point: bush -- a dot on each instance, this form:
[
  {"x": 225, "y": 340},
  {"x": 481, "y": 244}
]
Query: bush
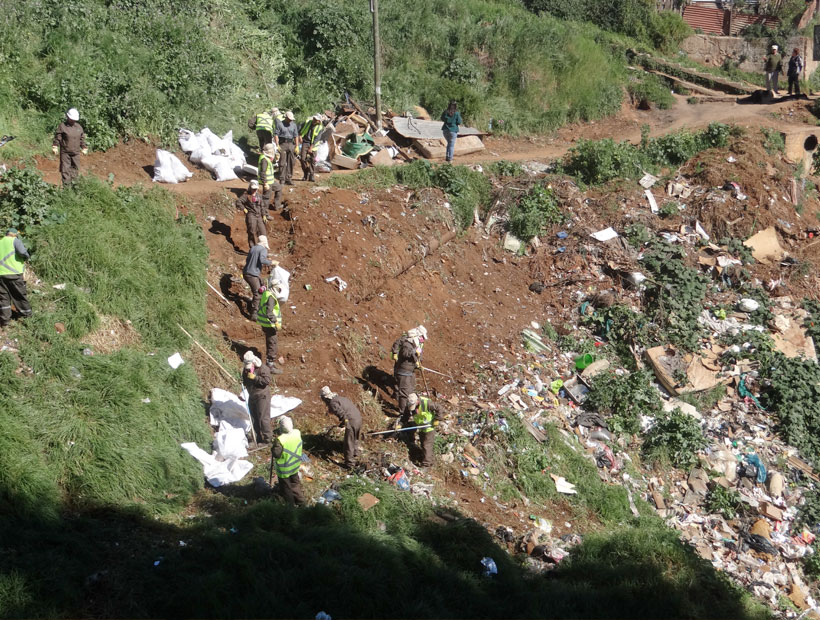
[
  {"x": 25, "y": 199},
  {"x": 653, "y": 89},
  {"x": 534, "y": 210},
  {"x": 467, "y": 189},
  {"x": 675, "y": 439},
  {"x": 624, "y": 399},
  {"x": 597, "y": 161}
]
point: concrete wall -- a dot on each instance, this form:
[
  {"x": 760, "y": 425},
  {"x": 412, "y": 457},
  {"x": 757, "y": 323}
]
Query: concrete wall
[{"x": 713, "y": 50}]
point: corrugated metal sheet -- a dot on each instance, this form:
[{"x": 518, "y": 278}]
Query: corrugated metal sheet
[
  {"x": 740, "y": 21},
  {"x": 707, "y": 19}
]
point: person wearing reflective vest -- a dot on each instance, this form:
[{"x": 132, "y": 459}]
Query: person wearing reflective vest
[
  {"x": 262, "y": 123},
  {"x": 12, "y": 285},
  {"x": 310, "y": 141},
  {"x": 269, "y": 317},
  {"x": 424, "y": 412},
  {"x": 286, "y": 452},
  {"x": 267, "y": 178}
]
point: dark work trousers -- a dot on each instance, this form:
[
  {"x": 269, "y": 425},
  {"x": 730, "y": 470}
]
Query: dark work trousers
[
  {"x": 290, "y": 488},
  {"x": 69, "y": 166},
  {"x": 13, "y": 290},
  {"x": 308, "y": 159},
  {"x": 256, "y": 228},
  {"x": 405, "y": 385},
  {"x": 287, "y": 160},
  {"x": 255, "y": 283},
  {"x": 794, "y": 81},
  {"x": 271, "y": 345},
  {"x": 427, "y": 441},
  {"x": 276, "y": 191},
  {"x": 264, "y": 137},
  {"x": 351, "y": 444},
  {"x": 259, "y": 405}
]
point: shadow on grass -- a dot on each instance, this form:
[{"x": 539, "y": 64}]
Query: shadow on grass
[{"x": 398, "y": 560}]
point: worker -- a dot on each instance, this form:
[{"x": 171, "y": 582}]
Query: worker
[
  {"x": 310, "y": 142},
  {"x": 287, "y": 454},
  {"x": 407, "y": 357},
  {"x": 256, "y": 261},
  {"x": 256, "y": 379},
  {"x": 267, "y": 170},
  {"x": 424, "y": 412},
  {"x": 350, "y": 417},
  {"x": 287, "y": 139},
  {"x": 69, "y": 142},
  {"x": 12, "y": 285},
  {"x": 262, "y": 123},
  {"x": 772, "y": 67},
  {"x": 269, "y": 317},
  {"x": 255, "y": 216}
]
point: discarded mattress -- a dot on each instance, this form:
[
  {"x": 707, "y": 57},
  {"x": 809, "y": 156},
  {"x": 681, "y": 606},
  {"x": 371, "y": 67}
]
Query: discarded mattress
[
  {"x": 427, "y": 130},
  {"x": 168, "y": 168}
]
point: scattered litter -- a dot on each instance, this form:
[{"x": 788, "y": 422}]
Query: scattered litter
[
  {"x": 653, "y": 205},
  {"x": 562, "y": 486},
  {"x": 647, "y": 181},
  {"x": 331, "y": 495},
  {"x": 604, "y": 235},
  {"x": 175, "y": 361},
  {"x": 367, "y": 501},
  {"x": 341, "y": 283},
  {"x": 490, "y": 568},
  {"x": 59, "y": 287}
]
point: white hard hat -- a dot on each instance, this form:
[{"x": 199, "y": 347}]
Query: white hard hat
[
  {"x": 286, "y": 424},
  {"x": 774, "y": 47},
  {"x": 422, "y": 331},
  {"x": 269, "y": 148},
  {"x": 413, "y": 333},
  {"x": 73, "y": 114},
  {"x": 248, "y": 357},
  {"x": 413, "y": 399},
  {"x": 254, "y": 185},
  {"x": 263, "y": 241},
  {"x": 289, "y": 115}
]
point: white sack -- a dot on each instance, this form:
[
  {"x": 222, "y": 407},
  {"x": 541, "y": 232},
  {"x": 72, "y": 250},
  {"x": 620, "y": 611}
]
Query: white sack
[
  {"x": 281, "y": 404},
  {"x": 236, "y": 154},
  {"x": 218, "y": 472},
  {"x": 201, "y": 152},
  {"x": 168, "y": 168},
  {"x": 281, "y": 276},
  {"x": 322, "y": 151},
  {"x": 209, "y": 162},
  {"x": 230, "y": 442},
  {"x": 224, "y": 169},
  {"x": 228, "y": 406},
  {"x": 211, "y": 138},
  {"x": 188, "y": 141}
]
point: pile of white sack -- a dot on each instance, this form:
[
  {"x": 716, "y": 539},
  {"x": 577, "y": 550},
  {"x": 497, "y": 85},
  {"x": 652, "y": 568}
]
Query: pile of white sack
[
  {"x": 219, "y": 156},
  {"x": 168, "y": 168}
]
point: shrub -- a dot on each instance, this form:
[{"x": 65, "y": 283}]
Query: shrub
[
  {"x": 505, "y": 168},
  {"x": 675, "y": 438},
  {"x": 25, "y": 199},
  {"x": 724, "y": 502},
  {"x": 653, "y": 89},
  {"x": 624, "y": 399},
  {"x": 598, "y": 161},
  {"x": 468, "y": 190},
  {"x": 534, "y": 210}
]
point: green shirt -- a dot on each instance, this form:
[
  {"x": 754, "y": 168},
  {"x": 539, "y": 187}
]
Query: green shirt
[
  {"x": 773, "y": 63},
  {"x": 451, "y": 121}
]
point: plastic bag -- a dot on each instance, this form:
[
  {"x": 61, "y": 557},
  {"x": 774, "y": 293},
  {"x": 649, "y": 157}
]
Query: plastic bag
[
  {"x": 168, "y": 168},
  {"x": 400, "y": 480},
  {"x": 224, "y": 169},
  {"x": 188, "y": 141},
  {"x": 490, "y": 568},
  {"x": 322, "y": 152},
  {"x": 236, "y": 154},
  {"x": 201, "y": 152},
  {"x": 280, "y": 277}
]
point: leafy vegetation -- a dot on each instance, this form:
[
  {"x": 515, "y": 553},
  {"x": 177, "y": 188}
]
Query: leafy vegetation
[
  {"x": 25, "y": 199},
  {"x": 652, "y": 89},
  {"x": 724, "y": 502},
  {"x": 675, "y": 439},
  {"x": 624, "y": 398},
  {"x": 597, "y": 161},
  {"x": 533, "y": 211},
  {"x": 773, "y": 141}
]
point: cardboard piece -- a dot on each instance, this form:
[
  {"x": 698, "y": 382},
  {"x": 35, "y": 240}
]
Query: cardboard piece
[
  {"x": 367, "y": 501},
  {"x": 794, "y": 342},
  {"x": 666, "y": 359},
  {"x": 382, "y": 158},
  {"x": 765, "y": 246},
  {"x": 343, "y": 161},
  {"x": 436, "y": 148},
  {"x": 771, "y": 511}
]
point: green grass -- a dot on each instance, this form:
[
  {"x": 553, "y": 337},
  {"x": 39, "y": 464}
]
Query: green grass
[{"x": 77, "y": 431}]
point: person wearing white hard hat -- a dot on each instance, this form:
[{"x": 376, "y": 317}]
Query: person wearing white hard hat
[
  {"x": 255, "y": 263},
  {"x": 287, "y": 139},
  {"x": 286, "y": 451},
  {"x": 269, "y": 317},
  {"x": 256, "y": 379},
  {"x": 255, "y": 215},
  {"x": 407, "y": 357},
  {"x": 350, "y": 418},
  {"x": 69, "y": 142},
  {"x": 773, "y": 66},
  {"x": 310, "y": 142}
]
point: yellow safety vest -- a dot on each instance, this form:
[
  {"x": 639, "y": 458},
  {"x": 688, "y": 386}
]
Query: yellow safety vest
[
  {"x": 310, "y": 131},
  {"x": 263, "y": 318},
  {"x": 10, "y": 265},
  {"x": 423, "y": 415},
  {"x": 288, "y": 464},
  {"x": 269, "y": 178},
  {"x": 264, "y": 122}
]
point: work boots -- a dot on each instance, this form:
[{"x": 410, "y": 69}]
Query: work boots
[{"x": 274, "y": 369}]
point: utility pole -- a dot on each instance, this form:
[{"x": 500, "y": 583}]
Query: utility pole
[{"x": 377, "y": 64}]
